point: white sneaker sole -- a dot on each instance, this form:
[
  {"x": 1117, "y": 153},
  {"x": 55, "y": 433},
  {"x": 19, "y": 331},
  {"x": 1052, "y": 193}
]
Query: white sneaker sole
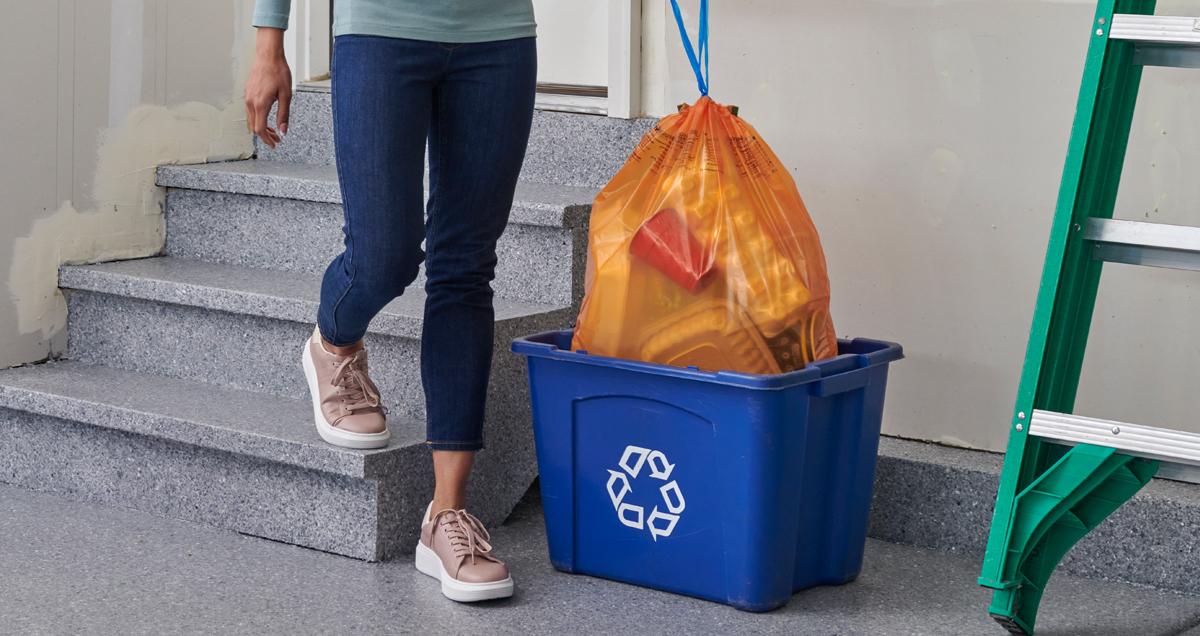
[
  {"x": 332, "y": 434},
  {"x": 455, "y": 590}
]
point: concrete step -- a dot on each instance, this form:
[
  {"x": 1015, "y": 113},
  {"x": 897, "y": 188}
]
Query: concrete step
[
  {"x": 244, "y": 328},
  {"x": 288, "y": 216},
  {"x": 266, "y": 427},
  {"x": 564, "y": 148},
  {"x": 232, "y": 459},
  {"x": 942, "y": 498}
]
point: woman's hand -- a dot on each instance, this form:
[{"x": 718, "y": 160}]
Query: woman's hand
[{"x": 270, "y": 81}]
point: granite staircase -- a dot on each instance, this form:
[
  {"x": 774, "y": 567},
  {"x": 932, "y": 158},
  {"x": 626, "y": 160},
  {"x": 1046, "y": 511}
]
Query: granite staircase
[{"x": 181, "y": 392}]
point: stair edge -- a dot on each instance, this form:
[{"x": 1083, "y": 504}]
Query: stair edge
[
  {"x": 314, "y": 455},
  {"x": 309, "y": 183},
  {"x": 397, "y": 320}
]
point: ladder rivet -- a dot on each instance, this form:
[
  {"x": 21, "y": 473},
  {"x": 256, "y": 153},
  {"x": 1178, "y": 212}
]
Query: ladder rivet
[
  {"x": 1116, "y": 430},
  {"x": 1020, "y": 427},
  {"x": 1099, "y": 31},
  {"x": 1101, "y": 20},
  {"x": 1021, "y": 415},
  {"x": 1078, "y": 227}
]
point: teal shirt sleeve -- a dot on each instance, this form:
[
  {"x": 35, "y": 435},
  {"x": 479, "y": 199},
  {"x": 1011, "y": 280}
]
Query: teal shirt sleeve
[{"x": 271, "y": 13}]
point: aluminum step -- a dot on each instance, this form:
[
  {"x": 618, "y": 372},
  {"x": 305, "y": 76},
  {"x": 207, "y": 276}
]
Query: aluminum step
[
  {"x": 1141, "y": 243},
  {"x": 1132, "y": 439},
  {"x": 1161, "y": 40}
]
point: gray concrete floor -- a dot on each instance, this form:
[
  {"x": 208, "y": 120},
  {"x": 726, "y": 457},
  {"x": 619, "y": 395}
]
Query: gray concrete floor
[{"x": 77, "y": 568}]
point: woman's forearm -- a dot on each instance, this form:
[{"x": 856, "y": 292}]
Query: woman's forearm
[{"x": 269, "y": 43}]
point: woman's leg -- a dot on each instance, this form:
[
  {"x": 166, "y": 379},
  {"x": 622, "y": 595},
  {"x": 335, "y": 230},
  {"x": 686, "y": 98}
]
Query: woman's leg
[
  {"x": 382, "y": 100},
  {"x": 482, "y": 111},
  {"x": 451, "y": 470}
]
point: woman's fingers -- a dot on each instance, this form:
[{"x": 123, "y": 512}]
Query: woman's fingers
[
  {"x": 281, "y": 117},
  {"x": 269, "y": 81},
  {"x": 262, "y": 108}
]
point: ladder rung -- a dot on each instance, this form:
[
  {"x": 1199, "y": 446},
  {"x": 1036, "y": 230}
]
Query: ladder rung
[
  {"x": 1131, "y": 439},
  {"x": 1140, "y": 243},
  {"x": 1168, "y": 30},
  {"x": 1160, "y": 40}
]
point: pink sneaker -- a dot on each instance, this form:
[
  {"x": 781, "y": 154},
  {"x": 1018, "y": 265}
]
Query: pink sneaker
[
  {"x": 345, "y": 401},
  {"x": 454, "y": 549}
]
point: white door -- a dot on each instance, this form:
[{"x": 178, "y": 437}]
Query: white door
[
  {"x": 572, "y": 43},
  {"x": 588, "y": 55},
  {"x": 588, "y": 52}
]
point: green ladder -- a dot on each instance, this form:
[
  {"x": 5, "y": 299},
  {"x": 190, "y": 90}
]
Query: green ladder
[{"x": 1064, "y": 474}]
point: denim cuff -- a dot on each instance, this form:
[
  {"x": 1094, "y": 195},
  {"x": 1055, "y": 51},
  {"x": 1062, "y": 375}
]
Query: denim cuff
[{"x": 454, "y": 446}]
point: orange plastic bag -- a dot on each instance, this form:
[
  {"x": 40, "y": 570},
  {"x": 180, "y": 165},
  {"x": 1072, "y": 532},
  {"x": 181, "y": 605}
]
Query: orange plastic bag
[{"x": 701, "y": 253}]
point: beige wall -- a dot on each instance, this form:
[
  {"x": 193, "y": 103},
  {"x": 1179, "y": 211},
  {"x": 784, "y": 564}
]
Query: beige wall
[
  {"x": 928, "y": 139},
  {"x": 98, "y": 92}
]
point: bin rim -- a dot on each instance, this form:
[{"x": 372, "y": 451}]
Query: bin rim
[{"x": 860, "y": 353}]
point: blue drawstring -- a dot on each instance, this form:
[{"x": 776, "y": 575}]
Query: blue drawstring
[{"x": 699, "y": 63}]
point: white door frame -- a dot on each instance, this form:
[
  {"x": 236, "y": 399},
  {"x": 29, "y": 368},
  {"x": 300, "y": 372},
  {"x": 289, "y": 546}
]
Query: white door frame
[
  {"x": 306, "y": 43},
  {"x": 624, "y": 58}
]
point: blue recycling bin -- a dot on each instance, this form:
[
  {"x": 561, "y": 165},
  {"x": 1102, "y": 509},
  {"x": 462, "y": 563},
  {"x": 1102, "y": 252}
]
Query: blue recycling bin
[{"x": 737, "y": 488}]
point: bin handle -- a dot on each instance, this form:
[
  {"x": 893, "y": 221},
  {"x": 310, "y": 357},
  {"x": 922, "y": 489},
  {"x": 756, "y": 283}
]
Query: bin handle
[{"x": 842, "y": 382}]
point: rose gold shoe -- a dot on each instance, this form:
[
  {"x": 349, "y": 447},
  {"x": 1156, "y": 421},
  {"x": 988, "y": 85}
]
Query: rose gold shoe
[
  {"x": 454, "y": 549},
  {"x": 345, "y": 401}
]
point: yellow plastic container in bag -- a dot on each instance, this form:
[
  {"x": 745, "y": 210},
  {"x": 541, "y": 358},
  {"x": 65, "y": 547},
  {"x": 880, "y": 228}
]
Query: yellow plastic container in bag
[{"x": 701, "y": 253}]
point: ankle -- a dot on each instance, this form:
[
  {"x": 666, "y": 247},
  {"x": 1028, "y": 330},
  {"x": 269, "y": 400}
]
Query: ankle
[
  {"x": 349, "y": 349},
  {"x": 440, "y": 504}
]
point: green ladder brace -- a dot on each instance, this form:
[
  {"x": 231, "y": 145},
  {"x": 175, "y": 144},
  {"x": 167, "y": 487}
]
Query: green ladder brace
[
  {"x": 1061, "y": 506},
  {"x": 1051, "y": 496}
]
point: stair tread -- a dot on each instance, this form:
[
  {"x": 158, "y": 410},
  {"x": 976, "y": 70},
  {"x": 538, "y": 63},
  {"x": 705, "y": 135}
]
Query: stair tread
[
  {"x": 533, "y": 204},
  {"x": 278, "y": 294},
  {"x": 270, "y": 427}
]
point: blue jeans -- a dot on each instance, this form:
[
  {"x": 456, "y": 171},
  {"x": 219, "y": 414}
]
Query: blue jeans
[{"x": 472, "y": 105}]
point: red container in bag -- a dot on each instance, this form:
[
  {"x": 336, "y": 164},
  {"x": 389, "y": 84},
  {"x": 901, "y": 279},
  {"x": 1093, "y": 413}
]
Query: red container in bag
[{"x": 665, "y": 242}]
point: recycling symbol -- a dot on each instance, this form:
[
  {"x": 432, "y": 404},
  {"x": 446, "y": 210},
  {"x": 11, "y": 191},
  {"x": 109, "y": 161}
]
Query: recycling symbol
[{"x": 660, "y": 522}]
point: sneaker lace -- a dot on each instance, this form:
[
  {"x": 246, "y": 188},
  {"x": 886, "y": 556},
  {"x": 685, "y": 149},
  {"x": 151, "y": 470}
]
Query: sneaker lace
[
  {"x": 354, "y": 386},
  {"x": 466, "y": 534}
]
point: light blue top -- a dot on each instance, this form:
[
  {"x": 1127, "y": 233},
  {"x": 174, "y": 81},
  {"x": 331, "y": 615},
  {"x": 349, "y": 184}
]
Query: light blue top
[{"x": 431, "y": 20}]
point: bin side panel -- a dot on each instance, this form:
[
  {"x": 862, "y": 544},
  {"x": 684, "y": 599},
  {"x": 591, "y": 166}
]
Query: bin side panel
[
  {"x": 552, "y": 390},
  {"x": 647, "y": 500},
  {"x": 761, "y": 444},
  {"x": 843, "y": 444}
]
